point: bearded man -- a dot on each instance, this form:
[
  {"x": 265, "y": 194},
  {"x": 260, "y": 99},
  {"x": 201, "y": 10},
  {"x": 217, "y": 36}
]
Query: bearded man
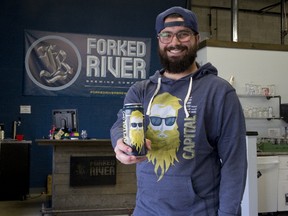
[{"x": 196, "y": 136}]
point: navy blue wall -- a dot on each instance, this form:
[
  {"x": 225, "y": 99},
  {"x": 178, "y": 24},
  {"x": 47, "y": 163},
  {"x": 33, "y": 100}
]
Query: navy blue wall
[{"x": 133, "y": 18}]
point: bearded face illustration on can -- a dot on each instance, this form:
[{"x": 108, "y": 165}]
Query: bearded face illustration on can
[{"x": 133, "y": 128}]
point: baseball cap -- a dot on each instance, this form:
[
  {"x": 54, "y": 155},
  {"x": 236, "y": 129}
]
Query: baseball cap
[{"x": 190, "y": 19}]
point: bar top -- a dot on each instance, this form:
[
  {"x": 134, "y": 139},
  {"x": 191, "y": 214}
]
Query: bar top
[
  {"x": 69, "y": 142},
  {"x": 14, "y": 141}
]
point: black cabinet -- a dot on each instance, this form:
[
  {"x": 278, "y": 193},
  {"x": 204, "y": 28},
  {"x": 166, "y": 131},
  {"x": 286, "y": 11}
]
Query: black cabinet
[{"x": 14, "y": 169}]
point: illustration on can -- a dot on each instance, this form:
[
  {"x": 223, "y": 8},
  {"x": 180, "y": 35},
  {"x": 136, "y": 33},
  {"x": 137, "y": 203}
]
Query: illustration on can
[{"x": 133, "y": 128}]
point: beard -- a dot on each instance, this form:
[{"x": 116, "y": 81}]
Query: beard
[
  {"x": 178, "y": 65},
  {"x": 163, "y": 153},
  {"x": 137, "y": 139}
]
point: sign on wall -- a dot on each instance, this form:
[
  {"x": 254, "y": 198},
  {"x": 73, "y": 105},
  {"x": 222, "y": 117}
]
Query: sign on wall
[
  {"x": 83, "y": 64},
  {"x": 92, "y": 170}
]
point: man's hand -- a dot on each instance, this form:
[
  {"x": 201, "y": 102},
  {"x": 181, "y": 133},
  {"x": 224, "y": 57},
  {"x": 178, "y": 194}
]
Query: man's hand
[{"x": 122, "y": 152}]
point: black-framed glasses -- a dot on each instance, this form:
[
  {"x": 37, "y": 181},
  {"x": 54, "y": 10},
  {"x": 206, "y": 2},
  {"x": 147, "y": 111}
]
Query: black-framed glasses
[
  {"x": 134, "y": 125},
  {"x": 157, "y": 121},
  {"x": 182, "y": 36}
]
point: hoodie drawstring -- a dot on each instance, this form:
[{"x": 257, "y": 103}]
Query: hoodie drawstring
[
  {"x": 151, "y": 100},
  {"x": 187, "y": 97},
  {"x": 185, "y": 100}
]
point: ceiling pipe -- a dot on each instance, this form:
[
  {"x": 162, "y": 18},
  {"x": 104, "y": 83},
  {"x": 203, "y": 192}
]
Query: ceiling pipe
[
  {"x": 283, "y": 21},
  {"x": 234, "y": 15},
  {"x": 188, "y": 4}
]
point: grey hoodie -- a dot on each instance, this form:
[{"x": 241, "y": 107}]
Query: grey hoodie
[{"x": 197, "y": 165}]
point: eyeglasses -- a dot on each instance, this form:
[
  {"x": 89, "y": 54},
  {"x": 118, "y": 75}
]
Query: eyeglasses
[
  {"x": 182, "y": 36},
  {"x": 157, "y": 121},
  {"x": 134, "y": 125}
]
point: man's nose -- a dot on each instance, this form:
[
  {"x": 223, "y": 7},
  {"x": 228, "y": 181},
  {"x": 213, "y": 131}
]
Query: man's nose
[{"x": 175, "y": 40}]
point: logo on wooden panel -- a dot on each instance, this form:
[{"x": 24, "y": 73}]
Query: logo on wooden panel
[{"x": 92, "y": 170}]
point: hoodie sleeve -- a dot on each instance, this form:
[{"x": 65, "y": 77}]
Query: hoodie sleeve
[
  {"x": 232, "y": 151},
  {"x": 116, "y": 130}
]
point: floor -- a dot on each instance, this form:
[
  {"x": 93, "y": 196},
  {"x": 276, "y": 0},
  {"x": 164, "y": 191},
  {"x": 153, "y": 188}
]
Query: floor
[
  {"x": 33, "y": 205},
  {"x": 29, "y": 207}
]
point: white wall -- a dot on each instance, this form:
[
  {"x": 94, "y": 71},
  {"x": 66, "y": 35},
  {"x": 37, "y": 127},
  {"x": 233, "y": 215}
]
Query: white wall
[{"x": 263, "y": 67}]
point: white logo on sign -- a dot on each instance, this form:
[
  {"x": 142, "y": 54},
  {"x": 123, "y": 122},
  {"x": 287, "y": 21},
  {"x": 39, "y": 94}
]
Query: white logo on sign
[{"x": 51, "y": 64}]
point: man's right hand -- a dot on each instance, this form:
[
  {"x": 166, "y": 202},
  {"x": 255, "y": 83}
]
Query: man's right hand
[{"x": 122, "y": 152}]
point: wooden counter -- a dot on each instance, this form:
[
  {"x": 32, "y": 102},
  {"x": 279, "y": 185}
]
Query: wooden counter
[
  {"x": 92, "y": 142},
  {"x": 120, "y": 195}
]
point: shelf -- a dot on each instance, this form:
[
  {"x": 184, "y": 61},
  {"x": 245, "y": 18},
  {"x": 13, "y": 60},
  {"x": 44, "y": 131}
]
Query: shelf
[
  {"x": 249, "y": 114},
  {"x": 259, "y": 96}
]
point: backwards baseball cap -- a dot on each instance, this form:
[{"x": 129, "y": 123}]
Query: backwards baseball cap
[{"x": 190, "y": 19}]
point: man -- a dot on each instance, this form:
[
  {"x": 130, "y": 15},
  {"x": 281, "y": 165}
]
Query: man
[{"x": 196, "y": 163}]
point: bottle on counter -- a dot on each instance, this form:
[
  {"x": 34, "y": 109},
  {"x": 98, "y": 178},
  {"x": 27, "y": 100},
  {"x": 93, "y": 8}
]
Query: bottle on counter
[
  {"x": 270, "y": 112},
  {"x": 2, "y": 133}
]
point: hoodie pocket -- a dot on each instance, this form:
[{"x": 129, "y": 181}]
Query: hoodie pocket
[{"x": 172, "y": 195}]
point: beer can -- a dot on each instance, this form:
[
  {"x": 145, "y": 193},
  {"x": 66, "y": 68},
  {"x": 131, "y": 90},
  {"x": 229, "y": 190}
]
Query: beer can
[{"x": 133, "y": 128}]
